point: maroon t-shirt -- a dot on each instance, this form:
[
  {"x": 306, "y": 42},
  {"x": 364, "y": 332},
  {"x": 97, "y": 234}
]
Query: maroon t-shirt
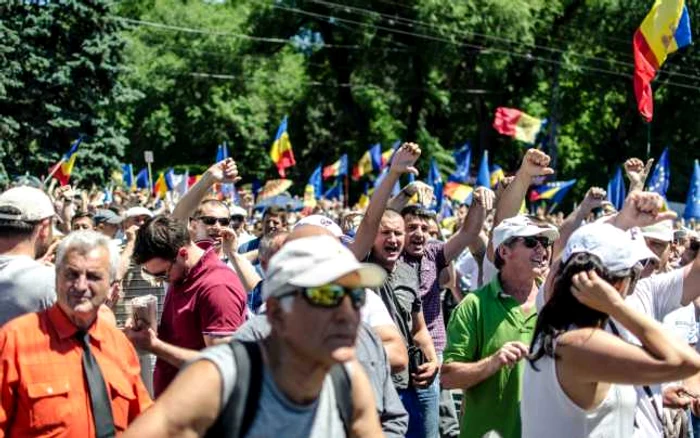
[{"x": 209, "y": 301}]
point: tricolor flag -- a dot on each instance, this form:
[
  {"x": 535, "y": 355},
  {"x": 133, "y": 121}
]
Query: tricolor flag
[
  {"x": 665, "y": 29},
  {"x": 515, "y": 123},
  {"x": 363, "y": 202},
  {"x": 314, "y": 188},
  {"x": 128, "y": 176},
  {"x": 552, "y": 191},
  {"x": 387, "y": 154},
  {"x": 281, "y": 152},
  {"x": 163, "y": 184},
  {"x": 369, "y": 162},
  {"x": 496, "y": 175},
  {"x": 458, "y": 192},
  {"x": 339, "y": 168},
  {"x": 692, "y": 203},
  {"x": 661, "y": 176},
  {"x": 63, "y": 169}
]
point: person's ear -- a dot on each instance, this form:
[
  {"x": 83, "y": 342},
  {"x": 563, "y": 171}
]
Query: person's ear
[
  {"x": 275, "y": 312},
  {"x": 182, "y": 253}
]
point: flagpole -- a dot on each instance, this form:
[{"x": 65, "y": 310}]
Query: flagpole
[
  {"x": 150, "y": 178},
  {"x": 54, "y": 170},
  {"x": 347, "y": 184},
  {"x": 648, "y": 140}
]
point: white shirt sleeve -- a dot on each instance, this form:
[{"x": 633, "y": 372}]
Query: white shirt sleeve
[
  {"x": 374, "y": 313},
  {"x": 490, "y": 271},
  {"x": 658, "y": 295}
]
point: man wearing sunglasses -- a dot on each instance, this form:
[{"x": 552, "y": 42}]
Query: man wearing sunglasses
[
  {"x": 314, "y": 290},
  {"x": 204, "y": 305},
  {"x": 489, "y": 332}
]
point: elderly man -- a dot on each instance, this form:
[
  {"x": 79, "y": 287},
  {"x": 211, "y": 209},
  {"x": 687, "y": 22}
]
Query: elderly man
[
  {"x": 66, "y": 371},
  {"x": 204, "y": 305},
  {"x": 489, "y": 332},
  {"x": 26, "y": 216},
  {"x": 314, "y": 290}
]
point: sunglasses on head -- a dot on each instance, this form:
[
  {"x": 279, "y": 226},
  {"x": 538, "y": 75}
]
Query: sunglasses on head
[
  {"x": 211, "y": 220},
  {"x": 330, "y": 296},
  {"x": 532, "y": 241}
]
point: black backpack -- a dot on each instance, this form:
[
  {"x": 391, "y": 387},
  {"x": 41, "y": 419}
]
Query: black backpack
[{"x": 236, "y": 417}]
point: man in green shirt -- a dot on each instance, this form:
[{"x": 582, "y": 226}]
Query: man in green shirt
[{"x": 489, "y": 332}]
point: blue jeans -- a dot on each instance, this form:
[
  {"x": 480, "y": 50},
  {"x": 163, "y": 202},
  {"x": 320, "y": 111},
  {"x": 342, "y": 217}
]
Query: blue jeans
[
  {"x": 409, "y": 398},
  {"x": 429, "y": 399}
]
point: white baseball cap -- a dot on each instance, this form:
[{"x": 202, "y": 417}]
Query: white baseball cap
[
  {"x": 235, "y": 210},
  {"x": 321, "y": 221},
  {"x": 662, "y": 231},
  {"x": 138, "y": 211},
  {"x": 30, "y": 204},
  {"x": 315, "y": 261},
  {"x": 521, "y": 226},
  {"x": 616, "y": 249}
]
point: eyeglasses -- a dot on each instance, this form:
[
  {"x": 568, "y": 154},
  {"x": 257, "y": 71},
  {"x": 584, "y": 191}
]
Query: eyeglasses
[
  {"x": 331, "y": 296},
  {"x": 211, "y": 220},
  {"x": 532, "y": 241},
  {"x": 158, "y": 277}
]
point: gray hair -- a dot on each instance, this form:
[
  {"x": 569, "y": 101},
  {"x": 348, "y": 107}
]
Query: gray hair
[{"x": 85, "y": 241}]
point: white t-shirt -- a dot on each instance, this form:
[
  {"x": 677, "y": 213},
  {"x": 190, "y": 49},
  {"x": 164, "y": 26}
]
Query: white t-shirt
[
  {"x": 489, "y": 271},
  {"x": 656, "y": 296},
  {"x": 374, "y": 313},
  {"x": 468, "y": 269},
  {"x": 682, "y": 323}
]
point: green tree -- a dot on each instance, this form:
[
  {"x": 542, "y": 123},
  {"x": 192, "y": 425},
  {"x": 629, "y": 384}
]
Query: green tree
[{"x": 61, "y": 63}]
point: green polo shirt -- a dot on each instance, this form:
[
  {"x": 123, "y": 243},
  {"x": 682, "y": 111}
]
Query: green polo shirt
[{"x": 484, "y": 321}]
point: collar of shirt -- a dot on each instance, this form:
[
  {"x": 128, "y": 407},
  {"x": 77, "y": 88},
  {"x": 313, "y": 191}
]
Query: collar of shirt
[{"x": 66, "y": 329}]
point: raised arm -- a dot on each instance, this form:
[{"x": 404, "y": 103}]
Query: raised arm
[
  {"x": 535, "y": 163},
  {"x": 424, "y": 191},
  {"x": 468, "y": 233},
  {"x": 593, "y": 199},
  {"x": 597, "y": 356},
  {"x": 637, "y": 172},
  {"x": 244, "y": 268},
  {"x": 402, "y": 162},
  {"x": 223, "y": 171}
]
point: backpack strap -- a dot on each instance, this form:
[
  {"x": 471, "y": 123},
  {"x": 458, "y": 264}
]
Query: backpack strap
[
  {"x": 238, "y": 413},
  {"x": 342, "y": 386}
]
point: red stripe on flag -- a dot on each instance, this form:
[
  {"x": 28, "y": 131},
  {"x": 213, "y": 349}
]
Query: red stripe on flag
[
  {"x": 506, "y": 120},
  {"x": 645, "y": 67}
]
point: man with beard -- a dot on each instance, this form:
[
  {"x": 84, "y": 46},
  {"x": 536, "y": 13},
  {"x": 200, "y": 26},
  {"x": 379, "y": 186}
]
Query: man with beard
[
  {"x": 489, "y": 332},
  {"x": 204, "y": 305},
  {"x": 26, "y": 221},
  {"x": 429, "y": 257}
]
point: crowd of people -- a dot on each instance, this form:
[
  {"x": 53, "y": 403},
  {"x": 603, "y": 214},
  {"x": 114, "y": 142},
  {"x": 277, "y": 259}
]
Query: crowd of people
[{"x": 192, "y": 316}]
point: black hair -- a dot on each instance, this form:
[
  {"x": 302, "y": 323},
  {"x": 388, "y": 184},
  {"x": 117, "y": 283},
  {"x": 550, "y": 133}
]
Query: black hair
[
  {"x": 82, "y": 214},
  {"x": 276, "y": 211},
  {"x": 160, "y": 236},
  {"x": 10, "y": 228},
  {"x": 563, "y": 310},
  {"x": 418, "y": 211}
]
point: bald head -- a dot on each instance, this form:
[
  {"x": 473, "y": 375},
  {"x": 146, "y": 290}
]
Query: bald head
[{"x": 302, "y": 231}]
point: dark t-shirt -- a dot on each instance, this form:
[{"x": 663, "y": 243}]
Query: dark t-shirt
[
  {"x": 400, "y": 293},
  {"x": 209, "y": 301}
]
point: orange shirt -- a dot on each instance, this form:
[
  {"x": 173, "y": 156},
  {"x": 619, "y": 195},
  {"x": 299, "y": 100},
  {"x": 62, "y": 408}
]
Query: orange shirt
[{"x": 44, "y": 392}]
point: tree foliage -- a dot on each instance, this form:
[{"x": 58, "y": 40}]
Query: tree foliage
[
  {"x": 348, "y": 74},
  {"x": 61, "y": 63}
]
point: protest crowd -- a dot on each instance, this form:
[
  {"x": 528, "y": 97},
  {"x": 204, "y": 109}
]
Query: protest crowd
[
  {"x": 492, "y": 306},
  {"x": 217, "y": 311}
]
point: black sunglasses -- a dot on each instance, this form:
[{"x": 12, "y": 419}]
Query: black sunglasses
[
  {"x": 330, "y": 296},
  {"x": 211, "y": 220},
  {"x": 532, "y": 241}
]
